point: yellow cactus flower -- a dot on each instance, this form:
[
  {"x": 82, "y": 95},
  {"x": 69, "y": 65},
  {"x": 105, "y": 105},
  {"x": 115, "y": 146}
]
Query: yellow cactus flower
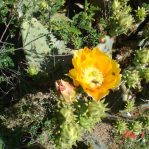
[{"x": 95, "y": 72}]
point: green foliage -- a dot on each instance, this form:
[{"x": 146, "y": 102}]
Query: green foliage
[
  {"x": 84, "y": 20},
  {"x": 145, "y": 33},
  {"x": 42, "y": 9},
  {"x": 55, "y": 5},
  {"x": 36, "y": 46},
  {"x": 69, "y": 130},
  {"x": 5, "y": 10},
  {"x": 79, "y": 31},
  {"x": 146, "y": 122},
  {"x": 38, "y": 43},
  {"x": 133, "y": 133},
  {"x": 133, "y": 130},
  {"x": 6, "y": 61},
  {"x": 121, "y": 17},
  {"x": 57, "y": 46},
  {"x": 25, "y": 7},
  {"x": 47, "y": 32},
  {"x": 68, "y": 33}
]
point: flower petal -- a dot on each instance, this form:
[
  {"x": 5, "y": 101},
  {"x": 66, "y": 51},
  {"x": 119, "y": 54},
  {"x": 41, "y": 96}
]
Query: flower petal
[{"x": 95, "y": 72}]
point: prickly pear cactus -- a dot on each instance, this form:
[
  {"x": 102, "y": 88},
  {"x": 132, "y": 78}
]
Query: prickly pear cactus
[
  {"x": 69, "y": 131},
  {"x": 35, "y": 45},
  {"x": 58, "y": 46},
  {"x": 75, "y": 118},
  {"x": 95, "y": 111}
]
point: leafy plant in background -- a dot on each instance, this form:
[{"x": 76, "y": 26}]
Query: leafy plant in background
[
  {"x": 67, "y": 33},
  {"x": 6, "y": 62},
  {"x": 63, "y": 30},
  {"x": 8, "y": 37},
  {"x": 55, "y": 5},
  {"x": 79, "y": 31},
  {"x": 7, "y": 18},
  {"x": 78, "y": 121},
  {"x": 8, "y": 72},
  {"x": 84, "y": 21}
]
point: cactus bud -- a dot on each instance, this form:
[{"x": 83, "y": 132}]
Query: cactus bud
[
  {"x": 137, "y": 127},
  {"x": 116, "y": 5},
  {"x": 70, "y": 133},
  {"x": 121, "y": 126},
  {"x": 32, "y": 70},
  {"x": 126, "y": 21},
  {"x": 141, "y": 13},
  {"x": 66, "y": 91},
  {"x": 43, "y": 5},
  {"x": 129, "y": 105},
  {"x": 97, "y": 109},
  {"x": 67, "y": 113},
  {"x": 142, "y": 57},
  {"x": 132, "y": 78},
  {"x": 144, "y": 73}
]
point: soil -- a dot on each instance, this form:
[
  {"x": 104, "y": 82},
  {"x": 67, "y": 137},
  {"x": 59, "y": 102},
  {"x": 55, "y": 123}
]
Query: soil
[{"x": 103, "y": 132}]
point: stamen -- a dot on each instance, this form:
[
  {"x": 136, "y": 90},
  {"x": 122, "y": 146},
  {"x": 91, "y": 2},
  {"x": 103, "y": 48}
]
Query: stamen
[{"x": 93, "y": 77}]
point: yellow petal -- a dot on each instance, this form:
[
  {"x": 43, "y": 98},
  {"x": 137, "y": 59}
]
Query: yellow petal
[
  {"x": 98, "y": 93},
  {"x": 95, "y": 72}
]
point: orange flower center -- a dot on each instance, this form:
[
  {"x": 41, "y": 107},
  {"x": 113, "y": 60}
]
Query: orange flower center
[{"x": 93, "y": 77}]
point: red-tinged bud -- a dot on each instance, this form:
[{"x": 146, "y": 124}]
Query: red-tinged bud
[{"x": 66, "y": 91}]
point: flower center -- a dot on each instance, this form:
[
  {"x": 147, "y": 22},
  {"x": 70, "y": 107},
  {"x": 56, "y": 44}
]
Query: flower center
[{"x": 93, "y": 77}]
